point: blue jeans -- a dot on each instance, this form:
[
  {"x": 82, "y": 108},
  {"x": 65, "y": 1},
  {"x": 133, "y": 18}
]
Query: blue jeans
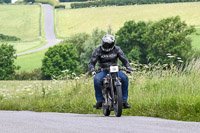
[{"x": 98, "y": 79}]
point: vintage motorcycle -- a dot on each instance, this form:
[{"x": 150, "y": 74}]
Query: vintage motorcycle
[{"x": 112, "y": 91}]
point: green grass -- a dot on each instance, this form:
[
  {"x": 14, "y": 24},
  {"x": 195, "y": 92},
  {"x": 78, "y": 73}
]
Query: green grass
[
  {"x": 22, "y": 21},
  {"x": 171, "y": 94},
  {"x": 196, "y": 40},
  {"x": 26, "y": 46},
  {"x": 30, "y": 61},
  {"x": 86, "y": 19}
]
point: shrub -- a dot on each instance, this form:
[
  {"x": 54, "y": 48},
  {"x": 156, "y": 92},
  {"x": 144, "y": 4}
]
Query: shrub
[
  {"x": 7, "y": 66},
  {"x": 36, "y": 74},
  {"x": 60, "y": 6},
  {"x": 8, "y": 38},
  {"x": 89, "y": 46},
  {"x": 60, "y": 58}
]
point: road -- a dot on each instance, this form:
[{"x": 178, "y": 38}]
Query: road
[
  {"x": 48, "y": 28},
  {"x": 35, "y": 122}
]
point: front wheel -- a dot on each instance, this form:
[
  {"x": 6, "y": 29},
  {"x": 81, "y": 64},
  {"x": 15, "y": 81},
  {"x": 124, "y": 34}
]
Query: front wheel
[
  {"x": 106, "y": 111},
  {"x": 118, "y": 101}
]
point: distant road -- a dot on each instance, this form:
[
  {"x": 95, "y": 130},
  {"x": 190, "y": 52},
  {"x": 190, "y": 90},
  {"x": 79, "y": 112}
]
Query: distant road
[
  {"x": 49, "y": 30},
  {"x": 35, "y": 122}
]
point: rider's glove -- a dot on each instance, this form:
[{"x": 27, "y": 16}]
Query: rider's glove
[{"x": 93, "y": 73}]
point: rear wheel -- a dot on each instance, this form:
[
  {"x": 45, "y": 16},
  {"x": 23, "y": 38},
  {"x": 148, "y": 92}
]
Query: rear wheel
[{"x": 118, "y": 102}]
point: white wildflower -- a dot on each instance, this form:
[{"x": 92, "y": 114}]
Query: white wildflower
[
  {"x": 168, "y": 54},
  {"x": 65, "y": 71},
  {"x": 180, "y": 61},
  {"x": 171, "y": 56},
  {"x": 77, "y": 78},
  {"x": 74, "y": 74},
  {"x": 178, "y": 58}
]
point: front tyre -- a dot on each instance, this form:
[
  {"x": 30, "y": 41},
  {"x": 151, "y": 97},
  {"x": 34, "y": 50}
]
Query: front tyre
[
  {"x": 118, "y": 101},
  {"x": 106, "y": 111}
]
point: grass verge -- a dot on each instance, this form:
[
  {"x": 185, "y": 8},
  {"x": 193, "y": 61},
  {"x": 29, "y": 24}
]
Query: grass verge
[{"x": 169, "y": 94}]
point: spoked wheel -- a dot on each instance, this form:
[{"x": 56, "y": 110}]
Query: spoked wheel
[
  {"x": 118, "y": 102},
  {"x": 106, "y": 111}
]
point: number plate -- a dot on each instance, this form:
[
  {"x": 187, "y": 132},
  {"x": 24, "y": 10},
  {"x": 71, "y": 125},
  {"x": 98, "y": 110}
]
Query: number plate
[{"x": 114, "y": 69}]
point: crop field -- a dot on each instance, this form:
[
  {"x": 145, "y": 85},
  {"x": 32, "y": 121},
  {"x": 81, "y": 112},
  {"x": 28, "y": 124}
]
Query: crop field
[
  {"x": 71, "y": 21},
  {"x": 22, "y": 21},
  {"x": 170, "y": 94}
]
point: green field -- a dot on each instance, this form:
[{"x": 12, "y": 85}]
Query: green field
[
  {"x": 30, "y": 61},
  {"x": 22, "y": 21},
  {"x": 73, "y": 21}
]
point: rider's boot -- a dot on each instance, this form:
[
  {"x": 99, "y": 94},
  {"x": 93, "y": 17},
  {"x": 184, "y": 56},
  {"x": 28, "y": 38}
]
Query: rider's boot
[
  {"x": 98, "y": 105},
  {"x": 126, "y": 105}
]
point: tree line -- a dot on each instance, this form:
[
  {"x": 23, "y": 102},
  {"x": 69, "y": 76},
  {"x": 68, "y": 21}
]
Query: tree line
[
  {"x": 5, "y": 1},
  {"x": 123, "y": 2},
  {"x": 161, "y": 42}
]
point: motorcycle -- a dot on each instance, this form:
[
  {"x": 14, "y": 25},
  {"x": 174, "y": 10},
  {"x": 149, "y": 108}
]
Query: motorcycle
[{"x": 112, "y": 91}]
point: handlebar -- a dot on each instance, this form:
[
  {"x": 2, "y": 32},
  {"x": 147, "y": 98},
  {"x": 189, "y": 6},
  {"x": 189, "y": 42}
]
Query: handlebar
[{"x": 108, "y": 69}]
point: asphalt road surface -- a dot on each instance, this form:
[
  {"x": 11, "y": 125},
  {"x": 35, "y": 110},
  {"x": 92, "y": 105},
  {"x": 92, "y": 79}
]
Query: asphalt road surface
[
  {"x": 49, "y": 30},
  {"x": 35, "y": 122}
]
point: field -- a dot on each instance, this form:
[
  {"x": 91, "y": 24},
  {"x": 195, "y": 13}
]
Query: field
[
  {"x": 71, "y": 21},
  {"x": 30, "y": 61},
  {"x": 22, "y": 21},
  {"x": 169, "y": 94}
]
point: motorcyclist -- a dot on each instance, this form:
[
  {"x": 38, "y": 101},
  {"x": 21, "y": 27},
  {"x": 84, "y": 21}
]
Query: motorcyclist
[{"x": 106, "y": 55}]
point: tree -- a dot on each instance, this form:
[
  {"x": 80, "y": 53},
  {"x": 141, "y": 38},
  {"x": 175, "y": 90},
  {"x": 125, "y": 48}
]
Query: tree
[
  {"x": 78, "y": 40},
  {"x": 130, "y": 39},
  {"x": 168, "y": 35},
  {"x": 7, "y": 58},
  {"x": 59, "y": 58},
  {"x": 89, "y": 46},
  {"x": 154, "y": 40}
]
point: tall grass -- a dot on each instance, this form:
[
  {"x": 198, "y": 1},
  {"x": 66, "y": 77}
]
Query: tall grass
[{"x": 172, "y": 94}]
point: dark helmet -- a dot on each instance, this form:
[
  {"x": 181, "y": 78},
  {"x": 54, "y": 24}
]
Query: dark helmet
[{"x": 107, "y": 43}]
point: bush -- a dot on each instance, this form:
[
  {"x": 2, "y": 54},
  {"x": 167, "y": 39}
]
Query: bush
[
  {"x": 123, "y": 2},
  {"x": 32, "y": 1},
  {"x": 61, "y": 59},
  {"x": 78, "y": 40},
  {"x": 8, "y": 38},
  {"x": 51, "y": 2},
  {"x": 89, "y": 46},
  {"x": 36, "y": 74},
  {"x": 7, "y": 58},
  {"x": 160, "y": 41},
  {"x": 60, "y": 6}
]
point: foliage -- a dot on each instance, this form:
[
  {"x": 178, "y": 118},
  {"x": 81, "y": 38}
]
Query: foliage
[
  {"x": 29, "y": 1},
  {"x": 59, "y": 58},
  {"x": 5, "y": 1},
  {"x": 78, "y": 40},
  {"x": 51, "y": 2},
  {"x": 8, "y": 38},
  {"x": 143, "y": 41},
  {"x": 72, "y": 0},
  {"x": 36, "y": 74},
  {"x": 7, "y": 66},
  {"x": 60, "y": 6},
  {"x": 123, "y": 2},
  {"x": 89, "y": 46}
]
